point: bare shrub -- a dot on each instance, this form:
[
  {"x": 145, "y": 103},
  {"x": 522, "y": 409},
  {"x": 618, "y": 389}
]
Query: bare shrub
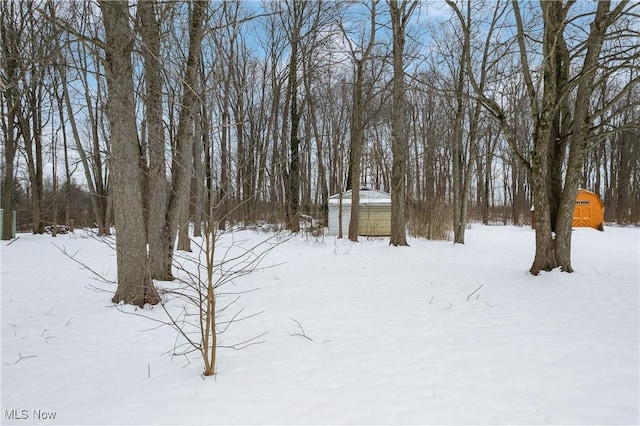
[
  {"x": 429, "y": 220},
  {"x": 191, "y": 301},
  {"x": 192, "y": 306}
]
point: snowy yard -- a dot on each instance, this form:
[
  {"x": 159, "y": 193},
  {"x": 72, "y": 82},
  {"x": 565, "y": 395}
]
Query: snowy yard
[{"x": 393, "y": 336}]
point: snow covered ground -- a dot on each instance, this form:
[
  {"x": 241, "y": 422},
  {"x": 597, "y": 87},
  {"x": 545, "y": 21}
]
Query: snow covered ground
[{"x": 393, "y": 336}]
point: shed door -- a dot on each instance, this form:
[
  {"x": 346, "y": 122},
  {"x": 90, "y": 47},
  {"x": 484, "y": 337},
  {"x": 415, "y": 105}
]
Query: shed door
[{"x": 582, "y": 216}]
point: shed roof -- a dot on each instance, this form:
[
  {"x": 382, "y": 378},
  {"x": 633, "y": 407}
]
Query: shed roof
[
  {"x": 592, "y": 194},
  {"x": 368, "y": 196},
  {"x": 581, "y": 191}
]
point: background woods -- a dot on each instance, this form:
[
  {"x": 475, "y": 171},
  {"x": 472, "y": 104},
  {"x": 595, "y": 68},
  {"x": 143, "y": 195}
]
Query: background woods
[{"x": 247, "y": 112}]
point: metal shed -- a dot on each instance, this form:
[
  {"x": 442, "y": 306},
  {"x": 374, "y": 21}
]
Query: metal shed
[{"x": 374, "y": 217}]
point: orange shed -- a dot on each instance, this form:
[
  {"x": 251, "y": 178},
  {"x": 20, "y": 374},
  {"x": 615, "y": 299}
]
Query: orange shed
[{"x": 589, "y": 211}]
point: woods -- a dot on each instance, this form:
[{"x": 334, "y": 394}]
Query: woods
[{"x": 154, "y": 116}]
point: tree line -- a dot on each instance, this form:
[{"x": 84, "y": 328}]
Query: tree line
[{"x": 176, "y": 113}]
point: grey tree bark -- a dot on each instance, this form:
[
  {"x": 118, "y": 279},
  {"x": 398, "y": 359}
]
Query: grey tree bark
[
  {"x": 292, "y": 177},
  {"x": 8, "y": 108},
  {"x": 359, "y": 56},
  {"x": 181, "y": 167},
  {"x": 400, "y": 14},
  {"x": 134, "y": 280},
  {"x": 157, "y": 171},
  {"x": 198, "y": 169}
]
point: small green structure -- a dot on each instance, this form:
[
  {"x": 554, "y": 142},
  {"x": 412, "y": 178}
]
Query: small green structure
[
  {"x": 13, "y": 224},
  {"x": 374, "y": 216}
]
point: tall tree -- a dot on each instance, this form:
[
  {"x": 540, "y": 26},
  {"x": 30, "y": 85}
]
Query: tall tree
[
  {"x": 83, "y": 64},
  {"x": 181, "y": 162},
  {"x": 360, "y": 54},
  {"x": 134, "y": 280},
  {"x": 29, "y": 42},
  {"x": 561, "y": 107},
  {"x": 400, "y": 14},
  {"x": 296, "y": 16},
  {"x": 466, "y": 126},
  {"x": 9, "y": 67},
  {"x": 156, "y": 176}
]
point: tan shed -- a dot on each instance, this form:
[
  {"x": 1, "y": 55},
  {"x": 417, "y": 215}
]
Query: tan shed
[{"x": 374, "y": 215}]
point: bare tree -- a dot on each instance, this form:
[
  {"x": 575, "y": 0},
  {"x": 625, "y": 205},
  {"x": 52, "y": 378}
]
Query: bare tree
[
  {"x": 302, "y": 22},
  {"x": 9, "y": 66},
  {"x": 156, "y": 177},
  {"x": 134, "y": 279},
  {"x": 92, "y": 155},
  {"x": 81, "y": 94},
  {"x": 400, "y": 14},
  {"x": 560, "y": 107},
  {"x": 296, "y": 14},
  {"x": 28, "y": 44},
  {"x": 181, "y": 167},
  {"x": 360, "y": 54},
  {"x": 468, "y": 116}
]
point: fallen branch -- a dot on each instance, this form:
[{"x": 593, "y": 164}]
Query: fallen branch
[
  {"x": 474, "y": 292},
  {"x": 20, "y": 359},
  {"x": 303, "y": 334},
  {"x": 13, "y": 241},
  {"x": 243, "y": 345}
]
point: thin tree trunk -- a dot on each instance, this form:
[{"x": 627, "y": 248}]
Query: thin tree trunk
[
  {"x": 96, "y": 204},
  {"x": 355, "y": 153},
  {"x": 198, "y": 179},
  {"x": 292, "y": 178},
  {"x": 184, "y": 243},
  {"x": 31, "y": 130},
  {"x": 357, "y": 126},
  {"x": 182, "y": 162},
  {"x": 157, "y": 171},
  {"x": 400, "y": 14},
  {"x": 8, "y": 109}
]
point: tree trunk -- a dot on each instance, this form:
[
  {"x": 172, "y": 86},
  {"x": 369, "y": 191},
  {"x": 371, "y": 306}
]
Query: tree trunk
[
  {"x": 9, "y": 158},
  {"x": 8, "y": 107},
  {"x": 157, "y": 170},
  {"x": 182, "y": 163},
  {"x": 198, "y": 170},
  {"x": 357, "y": 124},
  {"x": 400, "y": 14},
  {"x": 184, "y": 243},
  {"x": 292, "y": 177},
  {"x": 578, "y": 133},
  {"x": 320, "y": 156},
  {"x": 31, "y": 129},
  {"x": 355, "y": 156},
  {"x": 545, "y": 258},
  {"x": 134, "y": 281},
  {"x": 554, "y": 177},
  {"x": 458, "y": 161},
  {"x": 222, "y": 210},
  {"x": 92, "y": 183}
]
